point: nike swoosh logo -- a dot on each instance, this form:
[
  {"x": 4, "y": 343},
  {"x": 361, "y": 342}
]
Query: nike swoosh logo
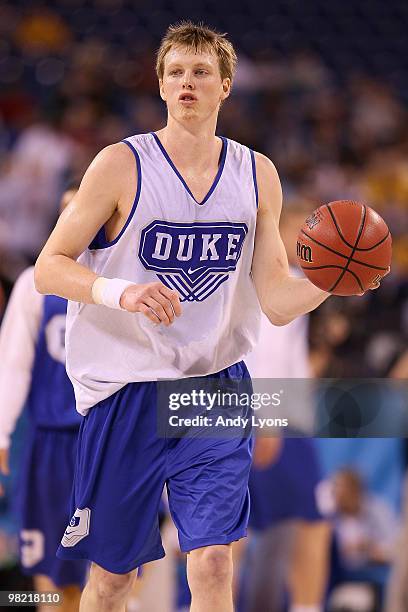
[
  {"x": 69, "y": 532},
  {"x": 191, "y": 271}
]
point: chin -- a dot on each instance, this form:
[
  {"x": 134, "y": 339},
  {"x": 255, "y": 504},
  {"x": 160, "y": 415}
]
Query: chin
[{"x": 189, "y": 113}]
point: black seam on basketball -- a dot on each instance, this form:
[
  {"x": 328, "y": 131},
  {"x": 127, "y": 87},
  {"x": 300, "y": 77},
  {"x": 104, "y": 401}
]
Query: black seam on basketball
[
  {"x": 339, "y": 268},
  {"x": 362, "y": 263},
  {"x": 324, "y": 245},
  {"x": 347, "y": 243},
  {"x": 345, "y": 269},
  {"x": 374, "y": 245},
  {"x": 337, "y": 227},
  {"x": 357, "y": 261},
  {"x": 321, "y": 267},
  {"x": 356, "y": 277}
]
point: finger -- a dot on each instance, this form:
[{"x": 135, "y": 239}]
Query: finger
[
  {"x": 158, "y": 309},
  {"x": 149, "y": 313},
  {"x": 174, "y": 298},
  {"x": 167, "y": 305}
]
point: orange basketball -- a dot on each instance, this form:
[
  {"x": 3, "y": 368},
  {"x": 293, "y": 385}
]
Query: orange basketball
[{"x": 343, "y": 247}]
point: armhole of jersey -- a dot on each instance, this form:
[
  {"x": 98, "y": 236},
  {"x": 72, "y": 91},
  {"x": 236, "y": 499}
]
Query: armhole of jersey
[
  {"x": 254, "y": 175},
  {"x": 100, "y": 242}
]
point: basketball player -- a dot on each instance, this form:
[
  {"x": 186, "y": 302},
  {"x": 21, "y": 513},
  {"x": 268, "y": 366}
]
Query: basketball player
[
  {"x": 166, "y": 278},
  {"x": 33, "y": 372}
]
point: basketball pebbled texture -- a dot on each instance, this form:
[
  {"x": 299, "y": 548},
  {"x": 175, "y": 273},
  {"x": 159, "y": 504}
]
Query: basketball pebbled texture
[{"x": 344, "y": 247}]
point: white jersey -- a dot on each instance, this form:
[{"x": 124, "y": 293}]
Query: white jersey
[
  {"x": 282, "y": 352},
  {"x": 202, "y": 250}
]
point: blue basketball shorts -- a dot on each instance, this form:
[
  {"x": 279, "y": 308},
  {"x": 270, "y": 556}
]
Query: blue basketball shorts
[
  {"x": 42, "y": 502},
  {"x": 286, "y": 489},
  {"x": 122, "y": 467}
]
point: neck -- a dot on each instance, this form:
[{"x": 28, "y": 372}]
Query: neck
[{"x": 189, "y": 143}]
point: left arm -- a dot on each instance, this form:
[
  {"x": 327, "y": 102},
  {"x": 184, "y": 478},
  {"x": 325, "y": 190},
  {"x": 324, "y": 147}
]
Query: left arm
[{"x": 282, "y": 296}]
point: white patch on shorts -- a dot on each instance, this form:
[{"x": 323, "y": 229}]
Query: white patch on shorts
[{"x": 78, "y": 527}]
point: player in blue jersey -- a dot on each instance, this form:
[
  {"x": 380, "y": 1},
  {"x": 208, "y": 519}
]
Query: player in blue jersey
[
  {"x": 166, "y": 279},
  {"x": 32, "y": 352}
]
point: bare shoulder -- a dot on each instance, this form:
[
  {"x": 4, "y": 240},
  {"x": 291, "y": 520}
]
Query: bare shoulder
[
  {"x": 107, "y": 177},
  {"x": 119, "y": 151},
  {"x": 104, "y": 185},
  {"x": 269, "y": 186},
  {"x": 114, "y": 159}
]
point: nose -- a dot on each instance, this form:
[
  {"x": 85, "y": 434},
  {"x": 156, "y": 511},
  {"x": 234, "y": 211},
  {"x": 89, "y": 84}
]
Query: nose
[{"x": 187, "y": 83}]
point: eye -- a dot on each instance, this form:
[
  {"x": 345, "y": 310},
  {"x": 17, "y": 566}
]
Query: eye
[
  {"x": 175, "y": 72},
  {"x": 201, "y": 71}
]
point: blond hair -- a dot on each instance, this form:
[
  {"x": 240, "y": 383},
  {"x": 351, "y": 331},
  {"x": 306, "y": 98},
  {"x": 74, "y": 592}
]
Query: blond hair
[{"x": 198, "y": 38}]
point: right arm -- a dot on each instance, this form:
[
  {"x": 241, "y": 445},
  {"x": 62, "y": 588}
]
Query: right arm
[
  {"x": 57, "y": 271},
  {"x": 104, "y": 191}
]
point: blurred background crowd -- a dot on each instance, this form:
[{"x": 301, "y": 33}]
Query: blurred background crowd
[{"x": 321, "y": 88}]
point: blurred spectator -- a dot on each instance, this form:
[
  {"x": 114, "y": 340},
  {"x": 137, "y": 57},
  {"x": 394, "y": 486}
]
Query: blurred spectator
[
  {"x": 365, "y": 526},
  {"x": 365, "y": 530},
  {"x": 42, "y": 31},
  {"x": 30, "y": 187}
]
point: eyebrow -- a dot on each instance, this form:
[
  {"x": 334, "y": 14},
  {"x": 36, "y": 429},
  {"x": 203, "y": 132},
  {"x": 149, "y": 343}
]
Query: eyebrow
[{"x": 198, "y": 65}]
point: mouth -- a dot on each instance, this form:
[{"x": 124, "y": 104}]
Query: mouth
[{"x": 187, "y": 98}]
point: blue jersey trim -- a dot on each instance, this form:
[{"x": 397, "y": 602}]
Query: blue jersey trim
[
  {"x": 217, "y": 178},
  {"x": 254, "y": 176},
  {"x": 100, "y": 241}
]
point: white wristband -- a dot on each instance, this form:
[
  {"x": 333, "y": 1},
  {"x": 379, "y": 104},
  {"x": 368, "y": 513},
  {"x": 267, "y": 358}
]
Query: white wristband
[{"x": 108, "y": 291}]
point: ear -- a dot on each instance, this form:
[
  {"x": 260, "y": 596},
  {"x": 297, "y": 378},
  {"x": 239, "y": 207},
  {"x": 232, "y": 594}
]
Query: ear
[
  {"x": 226, "y": 88},
  {"x": 161, "y": 90}
]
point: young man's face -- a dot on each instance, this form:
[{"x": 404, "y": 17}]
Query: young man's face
[{"x": 192, "y": 86}]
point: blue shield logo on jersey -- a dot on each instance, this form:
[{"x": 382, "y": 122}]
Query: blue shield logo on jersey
[{"x": 192, "y": 258}]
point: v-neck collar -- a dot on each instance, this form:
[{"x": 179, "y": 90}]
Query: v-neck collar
[{"x": 217, "y": 177}]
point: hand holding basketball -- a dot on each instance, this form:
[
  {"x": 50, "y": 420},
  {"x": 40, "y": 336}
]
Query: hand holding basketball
[{"x": 344, "y": 248}]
